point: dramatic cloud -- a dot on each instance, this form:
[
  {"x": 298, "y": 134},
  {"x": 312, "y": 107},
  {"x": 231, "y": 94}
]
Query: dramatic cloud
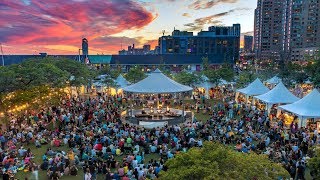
[
  {"x": 205, "y": 4},
  {"x": 60, "y": 22},
  {"x": 186, "y": 15},
  {"x": 199, "y": 23}
]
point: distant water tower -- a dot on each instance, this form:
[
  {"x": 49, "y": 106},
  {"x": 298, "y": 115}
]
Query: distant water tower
[{"x": 85, "y": 47}]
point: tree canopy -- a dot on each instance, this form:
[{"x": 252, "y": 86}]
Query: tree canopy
[
  {"x": 114, "y": 73},
  {"x": 216, "y": 161},
  {"x": 187, "y": 78},
  {"x": 52, "y": 72},
  {"x": 314, "y": 164},
  {"x": 225, "y": 72},
  {"x": 135, "y": 74},
  {"x": 37, "y": 81},
  {"x": 313, "y": 69}
]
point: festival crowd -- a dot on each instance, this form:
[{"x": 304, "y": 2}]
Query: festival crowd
[{"x": 87, "y": 134}]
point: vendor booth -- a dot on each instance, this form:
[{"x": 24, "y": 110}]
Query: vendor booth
[
  {"x": 272, "y": 82},
  {"x": 253, "y": 89},
  {"x": 278, "y": 95},
  {"x": 156, "y": 85},
  {"x": 204, "y": 87},
  {"x": 306, "y": 108}
]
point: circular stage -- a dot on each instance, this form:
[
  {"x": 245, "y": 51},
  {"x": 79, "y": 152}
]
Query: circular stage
[{"x": 150, "y": 118}]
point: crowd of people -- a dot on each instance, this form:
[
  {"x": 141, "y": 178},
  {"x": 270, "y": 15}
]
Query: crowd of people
[{"x": 88, "y": 135}]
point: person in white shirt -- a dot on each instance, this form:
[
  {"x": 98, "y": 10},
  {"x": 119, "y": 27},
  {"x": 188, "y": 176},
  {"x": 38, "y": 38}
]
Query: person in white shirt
[{"x": 87, "y": 176}]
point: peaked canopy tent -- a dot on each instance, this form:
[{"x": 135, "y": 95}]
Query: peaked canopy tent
[
  {"x": 273, "y": 80},
  {"x": 253, "y": 89},
  {"x": 157, "y": 83},
  {"x": 307, "y": 107},
  {"x": 278, "y": 95},
  {"x": 121, "y": 82}
]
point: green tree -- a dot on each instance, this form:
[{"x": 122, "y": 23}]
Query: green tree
[
  {"x": 216, "y": 161},
  {"x": 245, "y": 78},
  {"x": 81, "y": 74},
  {"x": 36, "y": 78},
  {"x": 7, "y": 80},
  {"x": 213, "y": 76},
  {"x": 110, "y": 82},
  {"x": 313, "y": 69},
  {"x": 314, "y": 164},
  {"x": 293, "y": 72},
  {"x": 114, "y": 73},
  {"x": 135, "y": 74},
  {"x": 33, "y": 73},
  {"x": 226, "y": 72},
  {"x": 186, "y": 78},
  {"x": 205, "y": 63}
]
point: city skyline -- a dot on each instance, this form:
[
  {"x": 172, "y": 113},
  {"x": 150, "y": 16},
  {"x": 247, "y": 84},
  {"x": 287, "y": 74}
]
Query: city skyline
[{"x": 57, "y": 27}]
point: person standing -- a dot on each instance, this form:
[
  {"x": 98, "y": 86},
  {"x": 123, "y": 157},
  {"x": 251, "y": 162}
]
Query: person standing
[{"x": 88, "y": 175}]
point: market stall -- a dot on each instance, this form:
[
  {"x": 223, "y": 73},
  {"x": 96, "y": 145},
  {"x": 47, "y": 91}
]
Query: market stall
[
  {"x": 253, "y": 89},
  {"x": 278, "y": 95},
  {"x": 204, "y": 87},
  {"x": 306, "y": 108},
  {"x": 272, "y": 82}
]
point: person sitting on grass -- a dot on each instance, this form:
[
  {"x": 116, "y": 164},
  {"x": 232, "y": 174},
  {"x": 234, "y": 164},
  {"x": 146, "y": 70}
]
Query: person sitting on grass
[{"x": 37, "y": 143}]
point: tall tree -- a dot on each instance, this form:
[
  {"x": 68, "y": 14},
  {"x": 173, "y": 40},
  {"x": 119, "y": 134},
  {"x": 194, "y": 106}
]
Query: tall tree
[
  {"x": 135, "y": 74},
  {"x": 216, "y": 161},
  {"x": 186, "y": 78},
  {"x": 213, "y": 76},
  {"x": 205, "y": 63},
  {"x": 113, "y": 72},
  {"x": 313, "y": 69},
  {"x": 226, "y": 72}
]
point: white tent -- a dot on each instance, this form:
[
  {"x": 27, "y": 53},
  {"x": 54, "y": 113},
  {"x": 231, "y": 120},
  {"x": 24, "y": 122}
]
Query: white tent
[
  {"x": 157, "y": 83},
  {"x": 307, "y": 107},
  {"x": 253, "y": 89},
  {"x": 121, "y": 82},
  {"x": 273, "y": 80},
  {"x": 278, "y": 95}
]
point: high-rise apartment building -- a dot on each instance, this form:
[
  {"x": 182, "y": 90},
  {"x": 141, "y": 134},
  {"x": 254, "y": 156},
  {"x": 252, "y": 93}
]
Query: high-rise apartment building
[
  {"x": 248, "y": 42},
  {"x": 268, "y": 29},
  {"x": 223, "y": 41},
  {"x": 286, "y": 29}
]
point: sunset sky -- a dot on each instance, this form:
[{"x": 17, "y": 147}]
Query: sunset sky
[{"x": 57, "y": 26}]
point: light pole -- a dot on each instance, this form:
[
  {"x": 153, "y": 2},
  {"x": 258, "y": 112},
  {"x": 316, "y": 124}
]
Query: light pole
[{"x": 79, "y": 55}]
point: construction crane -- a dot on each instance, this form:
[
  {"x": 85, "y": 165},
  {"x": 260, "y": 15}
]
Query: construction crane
[{"x": 2, "y": 55}]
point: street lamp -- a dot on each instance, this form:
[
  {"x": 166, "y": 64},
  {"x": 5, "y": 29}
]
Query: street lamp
[{"x": 79, "y": 55}]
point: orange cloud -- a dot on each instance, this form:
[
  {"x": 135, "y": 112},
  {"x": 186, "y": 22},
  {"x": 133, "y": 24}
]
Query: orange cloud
[{"x": 60, "y": 23}]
